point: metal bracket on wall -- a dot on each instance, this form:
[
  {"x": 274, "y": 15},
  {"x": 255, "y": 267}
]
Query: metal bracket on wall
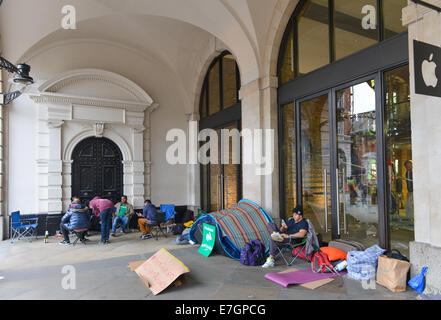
[{"x": 428, "y": 5}]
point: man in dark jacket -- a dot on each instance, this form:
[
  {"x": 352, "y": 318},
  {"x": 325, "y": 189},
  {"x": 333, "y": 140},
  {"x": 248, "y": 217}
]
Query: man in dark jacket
[{"x": 75, "y": 218}]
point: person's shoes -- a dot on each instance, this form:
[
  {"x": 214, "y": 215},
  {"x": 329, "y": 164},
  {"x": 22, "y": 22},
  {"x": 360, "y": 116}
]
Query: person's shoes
[
  {"x": 269, "y": 263},
  {"x": 64, "y": 243},
  {"x": 113, "y": 234},
  {"x": 146, "y": 236},
  {"x": 121, "y": 231},
  {"x": 106, "y": 242}
]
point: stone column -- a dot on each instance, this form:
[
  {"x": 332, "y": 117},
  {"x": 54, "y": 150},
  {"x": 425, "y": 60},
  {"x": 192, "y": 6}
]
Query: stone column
[
  {"x": 425, "y": 25},
  {"x": 55, "y": 168},
  {"x": 259, "y": 111},
  {"x": 193, "y": 167}
]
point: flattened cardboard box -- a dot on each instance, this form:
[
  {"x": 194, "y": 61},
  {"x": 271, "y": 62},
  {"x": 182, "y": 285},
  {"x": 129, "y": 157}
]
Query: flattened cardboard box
[{"x": 160, "y": 271}]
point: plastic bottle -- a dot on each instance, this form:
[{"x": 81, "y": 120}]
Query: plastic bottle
[{"x": 341, "y": 266}]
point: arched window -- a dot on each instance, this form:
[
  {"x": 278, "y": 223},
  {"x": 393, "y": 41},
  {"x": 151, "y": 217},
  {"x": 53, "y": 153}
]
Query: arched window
[
  {"x": 221, "y": 86},
  {"x": 323, "y": 31}
]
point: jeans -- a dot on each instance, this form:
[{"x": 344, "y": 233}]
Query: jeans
[
  {"x": 106, "y": 224},
  {"x": 120, "y": 220},
  {"x": 65, "y": 231}
]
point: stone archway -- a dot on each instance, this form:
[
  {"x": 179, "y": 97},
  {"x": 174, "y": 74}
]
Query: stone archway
[{"x": 72, "y": 108}]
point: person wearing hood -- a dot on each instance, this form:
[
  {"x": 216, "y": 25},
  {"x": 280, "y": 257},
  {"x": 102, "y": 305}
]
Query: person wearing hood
[{"x": 76, "y": 217}]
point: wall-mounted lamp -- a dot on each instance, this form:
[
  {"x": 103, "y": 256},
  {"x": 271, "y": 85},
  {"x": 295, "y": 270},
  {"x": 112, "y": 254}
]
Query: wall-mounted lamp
[{"x": 21, "y": 72}]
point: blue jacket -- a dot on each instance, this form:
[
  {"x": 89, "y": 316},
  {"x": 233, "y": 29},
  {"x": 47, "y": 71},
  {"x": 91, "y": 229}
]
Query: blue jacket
[
  {"x": 149, "y": 212},
  {"x": 76, "y": 217}
]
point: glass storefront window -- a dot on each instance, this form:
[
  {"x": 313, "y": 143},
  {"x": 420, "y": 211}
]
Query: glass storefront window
[
  {"x": 229, "y": 89},
  {"x": 220, "y": 89},
  {"x": 313, "y": 36},
  {"x": 214, "y": 90},
  {"x": 399, "y": 158},
  {"x": 352, "y": 30},
  {"x": 287, "y": 66},
  {"x": 357, "y": 167},
  {"x": 289, "y": 158},
  {"x": 355, "y": 25},
  {"x": 392, "y": 12}
]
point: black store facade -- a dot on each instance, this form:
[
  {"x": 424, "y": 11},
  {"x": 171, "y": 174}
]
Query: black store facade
[{"x": 345, "y": 151}]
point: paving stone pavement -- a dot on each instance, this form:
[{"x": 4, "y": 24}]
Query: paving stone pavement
[{"x": 33, "y": 270}]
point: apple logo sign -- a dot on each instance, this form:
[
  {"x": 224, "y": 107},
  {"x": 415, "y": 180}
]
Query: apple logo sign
[
  {"x": 428, "y": 69},
  {"x": 427, "y": 74}
]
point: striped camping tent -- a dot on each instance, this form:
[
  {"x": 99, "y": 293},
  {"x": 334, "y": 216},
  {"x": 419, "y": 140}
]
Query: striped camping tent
[{"x": 235, "y": 227}]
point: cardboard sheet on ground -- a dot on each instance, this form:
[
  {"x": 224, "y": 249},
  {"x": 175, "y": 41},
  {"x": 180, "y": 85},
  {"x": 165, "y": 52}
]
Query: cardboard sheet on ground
[
  {"x": 299, "y": 277},
  {"x": 311, "y": 285},
  {"x": 160, "y": 271}
]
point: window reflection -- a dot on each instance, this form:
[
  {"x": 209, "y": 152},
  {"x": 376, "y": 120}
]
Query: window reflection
[
  {"x": 353, "y": 30},
  {"x": 399, "y": 158},
  {"x": 313, "y": 36}
]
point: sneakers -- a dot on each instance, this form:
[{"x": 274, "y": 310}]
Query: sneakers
[
  {"x": 146, "y": 236},
  {"x": 64, "y": 243},
  {"x": 113, "y": 234},
  {"x": 269, "y": 263},
  {"x": 276, "y": 237}
]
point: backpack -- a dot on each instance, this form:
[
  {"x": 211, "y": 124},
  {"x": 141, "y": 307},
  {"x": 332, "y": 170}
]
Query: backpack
[
  {"x": 253, "y": 253},
  {"x": 321, "y": 264},
  {"x": 178, "y": 229}
]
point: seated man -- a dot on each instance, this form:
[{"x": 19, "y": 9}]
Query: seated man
[
  {"x": 75, "y": 218},
  {"x": 147, "y": 217},
  {"x": 123, "y": 211},
  {"x": 292, "y": 232}
]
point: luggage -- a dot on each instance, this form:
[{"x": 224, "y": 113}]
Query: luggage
[
  {"x": 253, "y": 254},
  {"x": 362, "y": 265},
  {"x": 392, "y": 273},
  {"x": 346, "y": 245}
]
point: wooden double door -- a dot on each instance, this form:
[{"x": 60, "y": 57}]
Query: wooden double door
[{"x": 97, "y": 170}]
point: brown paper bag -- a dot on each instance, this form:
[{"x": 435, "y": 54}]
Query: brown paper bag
[{"x": 392, "y": 273}]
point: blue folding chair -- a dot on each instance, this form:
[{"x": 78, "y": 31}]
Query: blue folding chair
[
  {"x": 169, "y": 210},
  {"x": 23, "y": 228}
]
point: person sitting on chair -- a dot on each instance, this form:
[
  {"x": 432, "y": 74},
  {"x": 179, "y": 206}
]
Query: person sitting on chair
[
  {"x": 292, "y": 232},
  {"x": 122, "y": 214},
  {"x": 75, "y": 218},
  {"x": 147, "y": 217}
]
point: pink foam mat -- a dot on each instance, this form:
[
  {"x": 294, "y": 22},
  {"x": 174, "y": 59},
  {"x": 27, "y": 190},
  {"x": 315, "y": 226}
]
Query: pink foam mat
[{"x": 300, "y": 277}]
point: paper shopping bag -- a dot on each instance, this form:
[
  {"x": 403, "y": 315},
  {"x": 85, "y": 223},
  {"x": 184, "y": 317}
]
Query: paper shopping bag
[{"x": 392, "y": 273}]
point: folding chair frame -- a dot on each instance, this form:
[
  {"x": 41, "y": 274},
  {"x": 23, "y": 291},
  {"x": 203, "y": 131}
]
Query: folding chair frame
[
  {"x": 290, "y": 246},
  {"x": 25, "y": 230}
]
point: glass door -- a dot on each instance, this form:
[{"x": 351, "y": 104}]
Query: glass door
[
  {"x": 315, "y": 150},
  {"x": 223, "y": 185},
  {"x": 356, "y": 164}
]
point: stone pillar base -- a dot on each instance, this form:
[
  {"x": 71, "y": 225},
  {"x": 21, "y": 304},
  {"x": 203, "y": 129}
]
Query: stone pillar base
[{"x": 423, "y": 254}]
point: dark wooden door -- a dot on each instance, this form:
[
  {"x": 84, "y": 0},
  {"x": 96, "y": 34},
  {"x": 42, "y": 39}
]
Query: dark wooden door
[{"x": 97, "y": 170}]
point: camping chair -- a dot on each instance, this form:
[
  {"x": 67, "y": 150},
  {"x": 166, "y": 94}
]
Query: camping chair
[
  {"x": 160, "y": 218},
  {"x": 308, "y": 245},
  {"x": 23, "y": 228},
  {"x": 170, "y": 212},
  {"x": 80, "y": 235}
]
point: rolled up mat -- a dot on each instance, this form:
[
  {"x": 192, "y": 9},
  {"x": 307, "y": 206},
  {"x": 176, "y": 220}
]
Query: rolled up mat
[{"x": 300, "y": 277}]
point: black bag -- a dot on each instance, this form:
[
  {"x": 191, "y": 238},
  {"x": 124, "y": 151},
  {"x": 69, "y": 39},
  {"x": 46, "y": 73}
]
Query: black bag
[
  {"x": 178, "y": 229},
  {"x": 188, "y": 216},
  {"x": 395, "y": 254}
]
